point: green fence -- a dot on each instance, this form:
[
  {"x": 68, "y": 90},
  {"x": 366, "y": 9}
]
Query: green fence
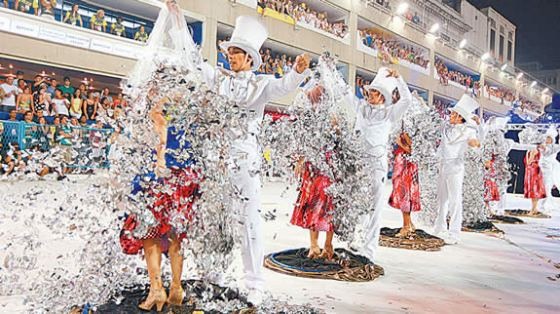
[{"x": 85, "y": 147}]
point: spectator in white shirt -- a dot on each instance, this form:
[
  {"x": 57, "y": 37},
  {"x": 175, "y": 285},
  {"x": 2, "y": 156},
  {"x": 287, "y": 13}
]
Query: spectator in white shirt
[
  {"x": 8, "y": 93},
  {"x": 60, "y": 104}
]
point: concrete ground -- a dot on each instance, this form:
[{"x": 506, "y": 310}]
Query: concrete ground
[{"x": 483, "y": 274}]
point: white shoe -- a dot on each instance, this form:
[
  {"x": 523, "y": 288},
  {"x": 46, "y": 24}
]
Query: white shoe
[
  {"x": 451, "y": 239},
  {"x": 255, "y": 297}
]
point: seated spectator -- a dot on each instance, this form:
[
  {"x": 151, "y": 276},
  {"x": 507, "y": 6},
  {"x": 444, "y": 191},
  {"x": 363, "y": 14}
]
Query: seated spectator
[
  {"x": 90, "y": 106},
  {"x": 83, "y": 91},
  {"x": 64, "y": 137},
  {"x": 416, "y": 18},
  {"x": 53, "y": 85},
  {"x": 42, "y": 101},
  {"x": 119, "y": 101},
  {"x": 37, "y": 82},
  {"x": 67, "y": 89},
  {"x": 76, "y": 104},
  {"x": 118, "y": 28},
  {"x": 53, "y": 133},
  {"x": 60, "y": 104},
  {"x": 24, "y": 100},
  {"x": 106, "y": 93},
  {"x": 73, "y": 17},
  {"x": 98, "y": 22},
  {"x": 83, "y": 121},
  {"x": 19, "y": 77},
  {"x": 8, "y": 94},
  {"x": 141, "y": 35},
  {"x": 47, "y": 8},
  {"x": 13, "y": 116},
  {"x": 25, "y": 6}
]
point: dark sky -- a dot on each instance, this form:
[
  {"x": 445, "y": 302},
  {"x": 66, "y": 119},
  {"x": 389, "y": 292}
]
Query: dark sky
[{"x": 538, "y": 28}]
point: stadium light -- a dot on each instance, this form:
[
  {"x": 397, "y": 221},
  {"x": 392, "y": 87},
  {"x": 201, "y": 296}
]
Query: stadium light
[
  {"x": 401, "y": 9},
  {"x": 504, "y": 67},
  {"x": 533, "y": 84},
  {"x": 434, "y": 28},
  {"x": 463, "y": 43},
  {"x": 520, "y": 75},
  {"x": 545, "y": 90}
]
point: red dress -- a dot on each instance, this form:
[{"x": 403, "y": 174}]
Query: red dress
[
  {"x": 406, "y": 190},
  {"x": 174, "y": 203},
  {"x": 533, "y": 185},
  {"x": 491, "y": 192},
  {"x": 314, "y": 206}
]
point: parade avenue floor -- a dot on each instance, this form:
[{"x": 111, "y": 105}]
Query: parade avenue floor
[{"x": 519, "y": 273}]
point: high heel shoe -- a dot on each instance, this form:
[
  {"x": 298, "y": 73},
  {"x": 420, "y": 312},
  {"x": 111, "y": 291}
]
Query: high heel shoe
[
  {"x": 176, "y": 295},
  {"x": 156, "y": 297},
  {"x": 314, "y": 252},
  {"x": 328, "y": 253}
]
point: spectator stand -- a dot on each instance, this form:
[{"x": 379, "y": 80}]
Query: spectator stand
[
  {"x": 57, "y": 31},
  {"x": 450, "y": 73},
  {"x": 382, "y": 5},
  {"x": 442, "y": 105},
  {"x": 390, "y": 48},
  {"x": 528, "y": 106},
  {"x": 316, "y": 15},
  {"x": 498, "y": 93}
]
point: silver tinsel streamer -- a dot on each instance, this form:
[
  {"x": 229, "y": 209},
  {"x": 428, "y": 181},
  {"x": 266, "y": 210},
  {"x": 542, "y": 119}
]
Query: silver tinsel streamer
[
  {"x": 474, "y": 208},
  {"x": 495, "y": 146},
  {"x": 423, "y": 124},
  {"x": 312, "y": 130},
  {"x": 531, "y": 135}
]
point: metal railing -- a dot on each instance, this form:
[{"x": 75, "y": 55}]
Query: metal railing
[{"x": 85, "y": 147}]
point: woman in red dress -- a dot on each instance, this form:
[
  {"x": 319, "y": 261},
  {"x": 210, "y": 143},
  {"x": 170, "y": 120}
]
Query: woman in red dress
[
  {"x": 173, "y": 200},
  {"x": 313, "y": 210},
  {"x": 491, "y": 192},
  {"x": 406, "y": 190},
  {"x": 533, "y": 185}
]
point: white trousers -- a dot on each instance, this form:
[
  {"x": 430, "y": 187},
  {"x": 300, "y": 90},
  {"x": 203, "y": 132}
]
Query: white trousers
[
  {"x": 450, "y": 201},
  {"x": 551, "y": 178},
  {"x": 246, "y": 179},
  {"x": 372, "y": 220}
]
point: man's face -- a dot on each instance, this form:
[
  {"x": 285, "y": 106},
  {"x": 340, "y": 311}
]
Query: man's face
[
  {"x": 455, "y": 118},
  {"x": 549, "y": 140},
  {"x": 54, "y": 83},
  {"x": 10, "y": 80},
  {"x": 141, "y": 29},
  {"x": 375, "y": 97},
  {"x": 13, "y": 114},
  {"x": 238, "y": 60},
  {"x": 28, "y": 116},
  {"x": 67, "y": 82}
]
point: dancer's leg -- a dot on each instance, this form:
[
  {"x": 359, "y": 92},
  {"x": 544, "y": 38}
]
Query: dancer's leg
[
  {"x": 157, "y": 296},
  {"x": 314, "y": 249},
  {"x": 443, "y": 205},
  {"x": 176, "y": 260},
  {"x": 328, "y": 251}
]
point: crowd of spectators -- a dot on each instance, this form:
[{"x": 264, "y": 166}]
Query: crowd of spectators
[
  {"x": 98, "y": 21},
  {"x": 445, "y": 75},
  {"x": 441, "y": 106},
  {"x": 502, "y": 94},
  {"x": 302, "y": 13},
  {"x": 44, "y": 115},
  {"x": 411, "y": 17},
  {"x": 389, "y": 49},
  {"x": 526, "y": 104}
]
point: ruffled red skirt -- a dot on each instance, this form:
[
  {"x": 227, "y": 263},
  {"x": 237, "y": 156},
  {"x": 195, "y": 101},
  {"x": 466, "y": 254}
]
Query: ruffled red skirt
[
  {"x": 314, "y": 206},
  {"x": 174, "y": 198},
  {"x": 533, "y": 186},
  {"x": 491, "y": 192},
  {"x": 406, "y": 190}
]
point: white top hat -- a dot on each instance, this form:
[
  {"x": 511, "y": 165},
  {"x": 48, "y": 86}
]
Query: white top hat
[
  {"x": 465, "y": 107},
  {"x": 249, "y": 35},
  {"x": 385, "y": 85},
  {"x": 551, "y": 131}
]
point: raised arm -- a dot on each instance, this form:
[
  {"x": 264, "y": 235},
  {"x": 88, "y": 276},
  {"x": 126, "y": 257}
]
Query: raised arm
[{"x": 402, "y": 105}]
